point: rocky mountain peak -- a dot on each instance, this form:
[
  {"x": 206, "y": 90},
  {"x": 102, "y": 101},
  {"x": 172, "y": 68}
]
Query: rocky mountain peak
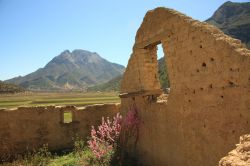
[
  {"x": 77, "y": 69},
  {"x": 233, "y": 19}
]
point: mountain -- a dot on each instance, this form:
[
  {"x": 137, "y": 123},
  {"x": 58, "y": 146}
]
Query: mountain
[
  {"x": 10, "y": 88},
  {"x": 74, "y": 70},
  {"x": 234, "y": 20}
]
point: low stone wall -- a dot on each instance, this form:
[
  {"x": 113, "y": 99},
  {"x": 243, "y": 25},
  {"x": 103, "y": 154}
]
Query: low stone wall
[{"x": 28, "y": 128}]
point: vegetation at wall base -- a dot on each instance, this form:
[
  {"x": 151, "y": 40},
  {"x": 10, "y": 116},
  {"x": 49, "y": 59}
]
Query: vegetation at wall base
[{"x": 103, "y": 147}]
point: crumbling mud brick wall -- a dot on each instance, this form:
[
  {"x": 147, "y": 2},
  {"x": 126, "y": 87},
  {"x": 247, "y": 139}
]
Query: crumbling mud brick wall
[
  {"x": 29, "y": 128},
  {"x": 208, "y": 107},
  {"x": 240, "y": 156}
]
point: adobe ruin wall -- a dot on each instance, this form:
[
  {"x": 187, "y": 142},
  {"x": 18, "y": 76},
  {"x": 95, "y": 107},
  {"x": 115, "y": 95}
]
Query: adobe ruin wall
[
  {"x": 240, "y": 156},
  {"x": 29, "y": 128},
  {"x": 208, "y": 107}
]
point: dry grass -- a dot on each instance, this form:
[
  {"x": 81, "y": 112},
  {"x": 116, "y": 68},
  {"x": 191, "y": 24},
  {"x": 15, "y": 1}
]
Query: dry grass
[{"x": 67, "y": 98}]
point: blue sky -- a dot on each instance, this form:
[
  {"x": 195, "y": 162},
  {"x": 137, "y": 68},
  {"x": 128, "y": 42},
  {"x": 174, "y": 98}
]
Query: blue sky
[{"x": 32, "y": 32}]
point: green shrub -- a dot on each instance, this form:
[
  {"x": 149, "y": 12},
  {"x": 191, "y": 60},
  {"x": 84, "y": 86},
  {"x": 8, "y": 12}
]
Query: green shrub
[{"x": 41, "y": 157}]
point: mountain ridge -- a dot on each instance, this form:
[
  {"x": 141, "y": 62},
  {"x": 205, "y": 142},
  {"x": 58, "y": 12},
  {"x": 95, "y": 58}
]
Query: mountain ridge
[
  {"x": 233, "y": 18},
  {"x": 78, "y": 69}
]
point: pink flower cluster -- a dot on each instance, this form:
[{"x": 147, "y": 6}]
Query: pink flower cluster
[{"x": 104, "y": 138}]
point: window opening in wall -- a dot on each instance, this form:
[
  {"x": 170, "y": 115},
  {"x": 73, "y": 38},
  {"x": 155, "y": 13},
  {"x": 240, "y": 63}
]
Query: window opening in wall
[
  {"x": 162, "y": 69},
  {"x": 67, "y": 117},
  {"x": 163, "y": 75}
]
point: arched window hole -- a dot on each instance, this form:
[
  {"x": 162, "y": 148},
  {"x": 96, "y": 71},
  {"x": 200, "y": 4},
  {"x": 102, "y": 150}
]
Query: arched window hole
[
  {"x": 162, "y": 69},
  {"x": 162, "y": 74}
]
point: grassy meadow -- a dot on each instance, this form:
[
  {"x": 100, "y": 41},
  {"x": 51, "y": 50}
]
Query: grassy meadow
[{"x": 56, "y": 98}]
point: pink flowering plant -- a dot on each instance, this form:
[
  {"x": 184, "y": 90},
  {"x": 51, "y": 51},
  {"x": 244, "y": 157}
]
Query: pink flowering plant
[
  {"x": 128, "y": 136},
  {"x": 106, "y": 141},
  {"x": 103, "y": 140}
]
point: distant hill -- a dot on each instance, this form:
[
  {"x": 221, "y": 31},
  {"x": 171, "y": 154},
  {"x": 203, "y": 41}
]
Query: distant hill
[
  {"x": 234, "y": 20},
  {"x": 10, "y": 88},
  {"x": 74, "y": 70},
  {"x": 111, "y": 85},
  {"x": 163, "y": 75}
]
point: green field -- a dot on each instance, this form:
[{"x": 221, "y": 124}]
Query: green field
[{"x": 67, "y": 98}]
